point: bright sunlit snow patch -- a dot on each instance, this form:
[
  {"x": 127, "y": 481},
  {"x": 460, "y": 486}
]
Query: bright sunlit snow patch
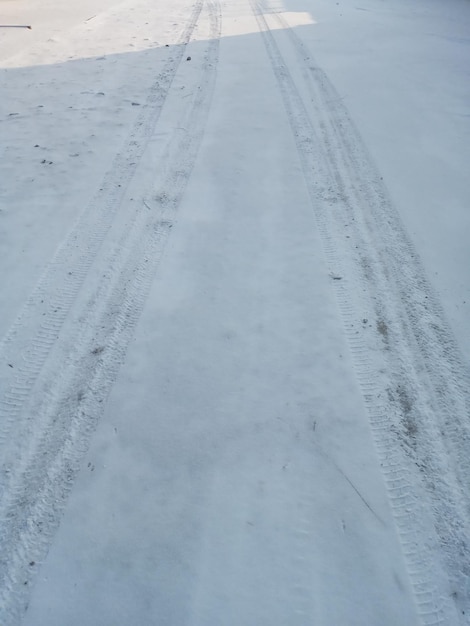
[
  {"x": 245, "y": 24},
  {"x": 298, "y": 18}
]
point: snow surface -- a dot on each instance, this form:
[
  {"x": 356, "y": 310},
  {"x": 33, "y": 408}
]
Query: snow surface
[{"x": 234, "y": 366}]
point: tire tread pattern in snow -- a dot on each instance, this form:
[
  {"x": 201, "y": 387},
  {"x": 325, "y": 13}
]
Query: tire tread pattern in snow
[
  {"x": 409, "y": 368},
  {"x": 71, "y": 359}
]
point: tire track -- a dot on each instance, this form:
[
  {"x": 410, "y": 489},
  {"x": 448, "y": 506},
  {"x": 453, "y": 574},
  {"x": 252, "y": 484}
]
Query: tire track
[
  {"x": 34, "y": 333},
  {"x": 412, "y": 378},
  {"x": 69, "y": 395},
  {"x": 37, "y": 326},
  {"x": 427, "y": 325}
]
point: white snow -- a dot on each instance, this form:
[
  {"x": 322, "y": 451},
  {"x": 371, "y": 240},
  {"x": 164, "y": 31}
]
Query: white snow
[{"x": 235, "y": 295}]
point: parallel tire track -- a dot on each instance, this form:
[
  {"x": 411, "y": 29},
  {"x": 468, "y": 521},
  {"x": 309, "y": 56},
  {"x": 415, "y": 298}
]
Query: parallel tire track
[
  {"x": 67, "y": 404},
  {"x": 409, "y": 367}
]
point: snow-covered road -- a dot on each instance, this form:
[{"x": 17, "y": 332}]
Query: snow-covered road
[{"x": 234, "y": 387}]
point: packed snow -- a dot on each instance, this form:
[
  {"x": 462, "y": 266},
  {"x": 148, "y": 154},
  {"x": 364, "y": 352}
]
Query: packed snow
[{"x": 235, "y": 313}]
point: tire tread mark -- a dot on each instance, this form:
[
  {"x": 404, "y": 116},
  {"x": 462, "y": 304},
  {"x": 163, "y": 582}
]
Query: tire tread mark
[
  {"x": 70, "y": 401},
  {"x": 56, "y": 290},
  {"x": 343, "y": 198}
]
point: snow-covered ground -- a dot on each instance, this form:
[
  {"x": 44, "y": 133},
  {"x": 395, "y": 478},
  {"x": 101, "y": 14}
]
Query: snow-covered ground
[{"x": 235, "y": 300}]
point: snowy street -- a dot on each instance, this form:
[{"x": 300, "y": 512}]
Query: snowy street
[{"x": 235, "y": 337}]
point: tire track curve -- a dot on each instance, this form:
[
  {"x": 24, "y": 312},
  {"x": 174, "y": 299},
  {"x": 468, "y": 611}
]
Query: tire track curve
[
  {"x": 412, "y": 377},
  {"x": 70, "y": 392}
]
